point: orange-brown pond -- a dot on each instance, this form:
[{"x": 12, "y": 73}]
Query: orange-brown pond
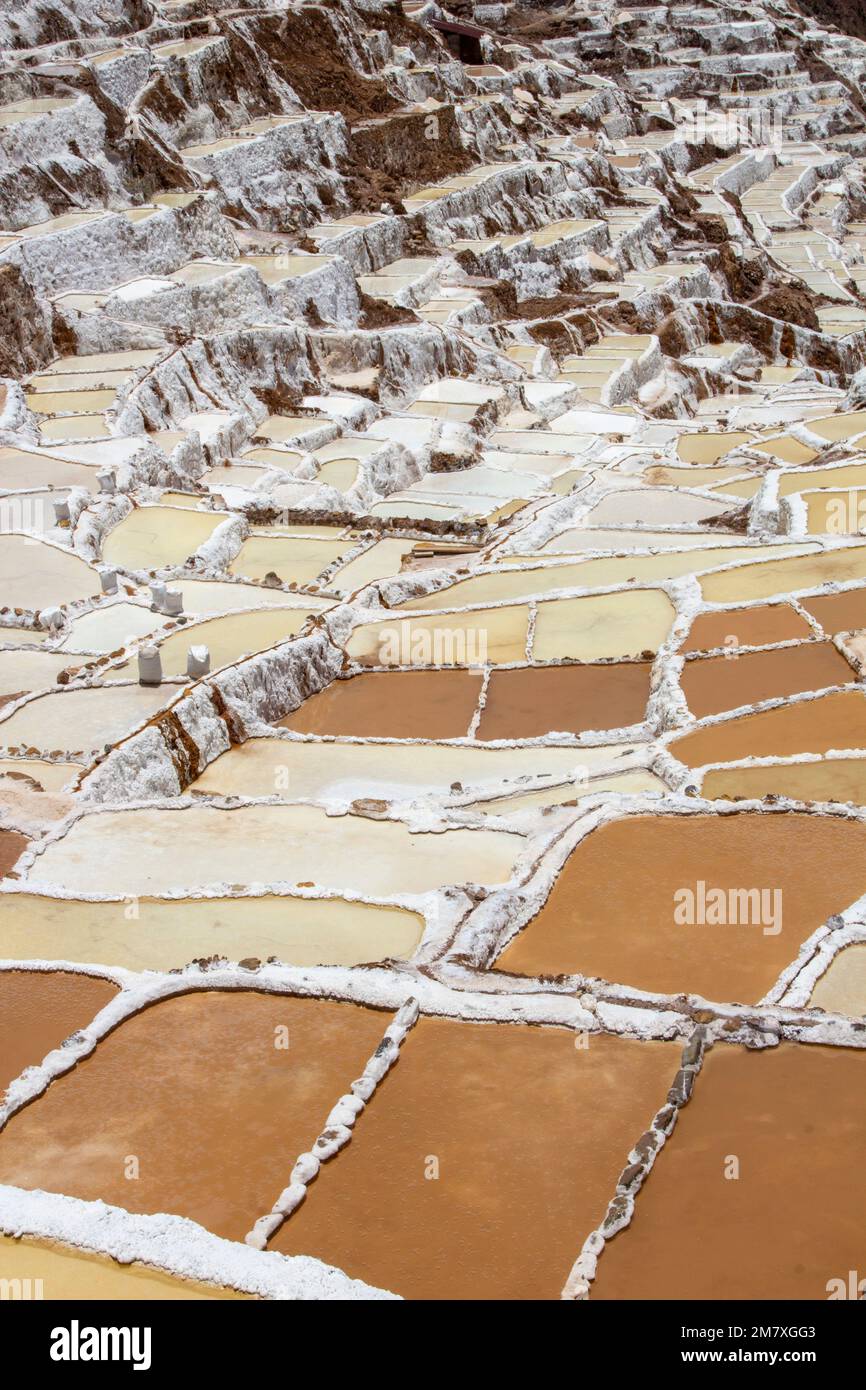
[
  {"x": 786, "y": 1225},
  {"x": 38, "y": 1010},
  {"x": 844, "y": 612},
  {"x": 745, "y": 627},
  {"x": 712, "y": 684},
  {"x": 534, "y": 700},
  {"x": 487, "y": 1157},
  {"x": 197, "y": 1106},
  {"x": 12, "y": 846},
  {"x": 392, "y": 704},
  {"x": 713, "y": 905},
  {"x": 807, "y": 726}
]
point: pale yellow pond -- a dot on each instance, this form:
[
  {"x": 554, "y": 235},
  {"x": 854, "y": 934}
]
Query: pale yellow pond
[
  {"x": 785, "y": 576},
  {"x": 65, "y": 1273},
  {"x": 344, "y": 771},
  {"x": 602, "y": 625},
  {"x": 295, "y": 559},
  {"x": 155, "y": 851},
  {"x": 165, "y": 933},
  {"x": 150, "y": 537}
]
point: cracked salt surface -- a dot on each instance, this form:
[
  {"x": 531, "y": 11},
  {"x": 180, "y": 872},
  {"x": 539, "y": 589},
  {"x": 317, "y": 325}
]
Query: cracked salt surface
[{"x": 424, "y": 563}]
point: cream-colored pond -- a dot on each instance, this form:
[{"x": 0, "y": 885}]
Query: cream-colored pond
[
  {"x": 34, "y": 575},
  {"x": 165, "y": 933},
  {"x": 150, "y": 537},
  {"x": 602, "y": 625},
  {"x": 520, "y": 583},
  {"x": 50, "y": 777},
  {"x": 344, "y": 771},
  {"x": 65, "y": 1273},
  {"x": 111, "y": 626},
  {"x": 638, "y": 781},
  {"x": 602, "y": 538},
  {"x": 227, "y": 639},
  {"x": 656, "y": 507},
  {"x": 28, "y": 670},
  {"x": 842, "y": 988},
  {"x": 25, "y": 468},
  {"x": 81, "y": 721},
  {"x": 295, "y": 559},
  {"x": 445, "y": 639},
  {"x": 203, "y": 596},
  {"x": 155, "y": 851},
  {"x": 381, "y": 561},
  {"x": 709, "y": 448},
  {"x": 785, "y": 576}
]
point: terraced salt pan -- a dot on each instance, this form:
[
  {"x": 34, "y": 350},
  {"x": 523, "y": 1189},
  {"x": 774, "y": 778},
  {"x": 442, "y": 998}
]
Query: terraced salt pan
[
  {"x": 24, "y": 468},
  {"x": 629, "y": 925},
  {"x": 783, "y": 1228},
  {"x": 533, "y": 701},
  {"x": 493, "y": 1103},
  {"x": 161, "y": 850},
  {"x": 785, "y": 576},
  {"x": 110, "y": 626},
  {"x": 745, "y": 627},
  {"x": 344, "y": 771},
  {"x": 709, "y": 447},
  {"x": 571, "y": 792},
  {"x": 39, "y": 1010},
  {"x": 51, "y": 777},
  {"x": 393, "y": 704},
  {"x": 716, "y": 683},
  {"x": 227, "y": 638},
  {"x": 632, "y": 506},
  {"x": 602, "y": 625},
  {"x": 150, "y": 537},
  {"x": 68, "y": 428},
  {"x": 842, "y": 988},
  {"x": 835, "y": 513},
  {"x": 848, "y": 475},
  {"x": 81, "y": 720},
  {"x": 204, "y": 596},
  {"x": 804, "y": 726},
  {"x": 65, "y": 1273},
  {"x": 168, "y": 933},
  {"x": 28, "y": 670},
  {"x": 845, "y": 612},
  {"x": 35, "y": 575},
  {"x": 835, "y": 779},
  {"x": 295, "y": 559},
  {"x": 12, "y": 845},
  {"x": 381, "y": 561},
  {"x": 590, "y": 573},
  {"x": 600, "y": 538},
  {"x": 214, "y": 1146},
  {"x": 486, "y": 635}
]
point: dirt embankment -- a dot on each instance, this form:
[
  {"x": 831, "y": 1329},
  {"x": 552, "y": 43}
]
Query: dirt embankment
[
  {"x": 391, "y": 156},
  {"x": 847, "y": 15},
  {"x": 322, "y": 65}
]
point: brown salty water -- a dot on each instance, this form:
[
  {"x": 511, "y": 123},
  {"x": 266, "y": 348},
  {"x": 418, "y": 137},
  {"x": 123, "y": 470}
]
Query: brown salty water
[
  {"x": 39, "y": 1010},
  {"x": 613, "y": 910},
  {"x": 392, "y": 704},
  {"x": 199, "y": 1091},
  {"x": 807, "y": 726},
  {"x": 528, "y": 1134},
  {"x": 787, "y": 1224},
  {"x": 715, "y": 683}
]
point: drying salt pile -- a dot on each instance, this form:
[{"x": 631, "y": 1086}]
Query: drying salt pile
[{"x": 432, "y": 650}]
